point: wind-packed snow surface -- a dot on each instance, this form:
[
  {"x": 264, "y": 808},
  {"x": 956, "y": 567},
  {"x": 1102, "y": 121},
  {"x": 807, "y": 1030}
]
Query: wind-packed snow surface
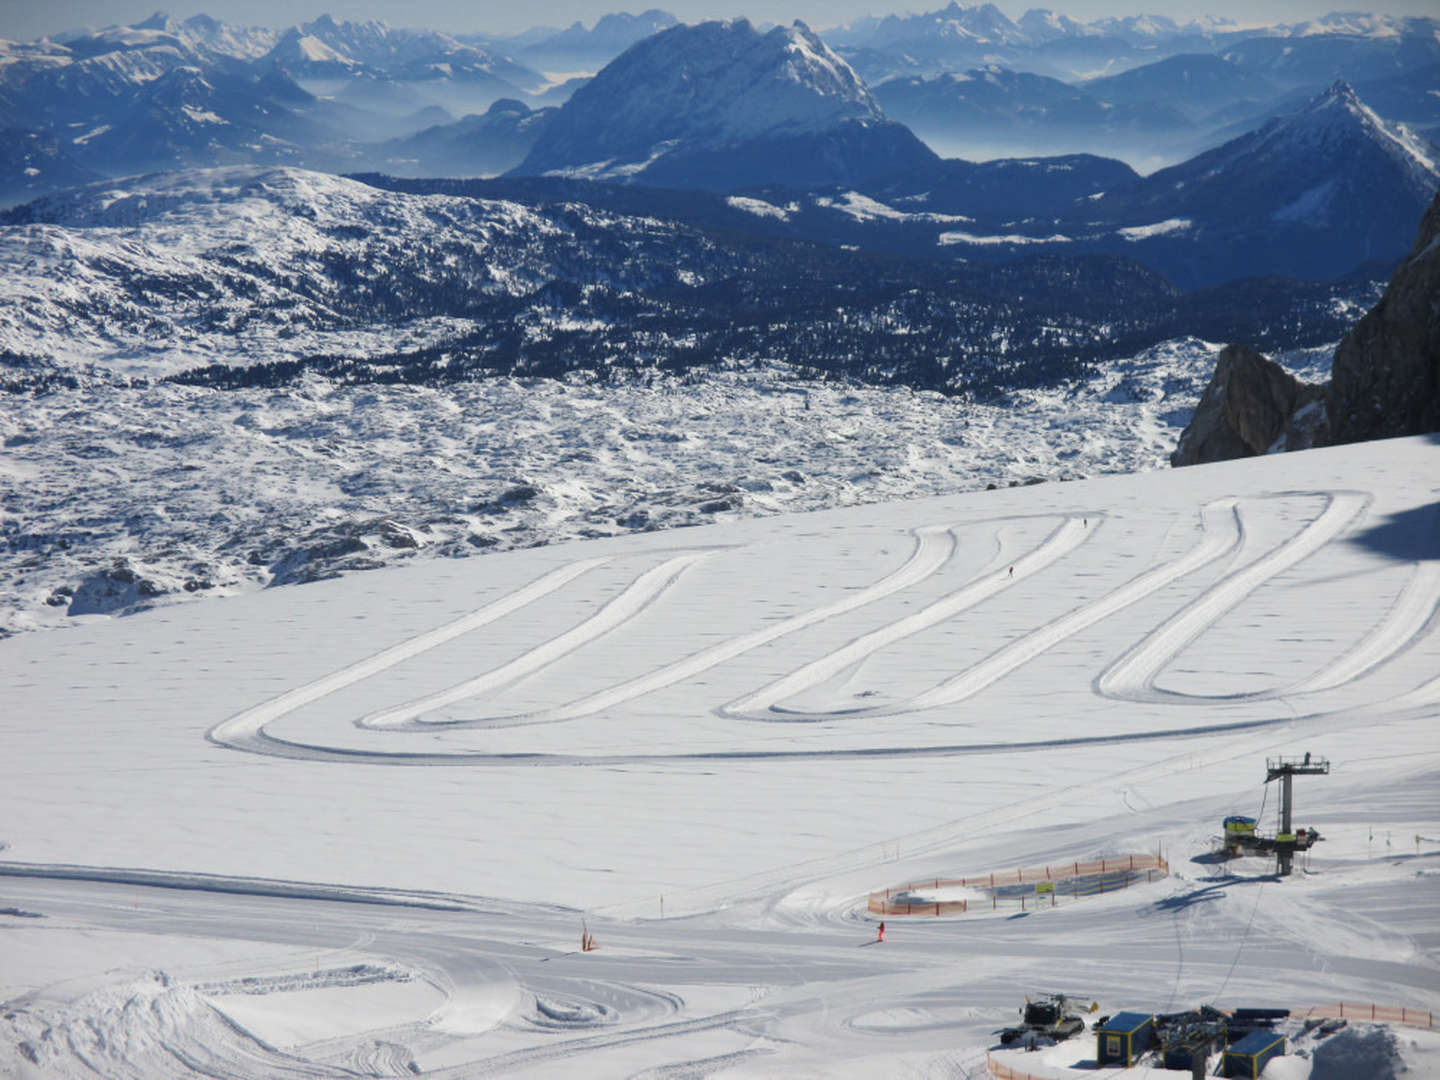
[{"x": 358, "y": 828}]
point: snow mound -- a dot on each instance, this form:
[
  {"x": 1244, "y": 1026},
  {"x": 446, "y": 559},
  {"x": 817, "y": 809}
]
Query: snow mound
[{"x": 147, "y": 1027}]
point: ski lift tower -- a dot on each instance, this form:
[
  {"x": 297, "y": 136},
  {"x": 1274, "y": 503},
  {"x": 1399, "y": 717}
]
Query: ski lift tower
[{"x": 1285, "y": 769}]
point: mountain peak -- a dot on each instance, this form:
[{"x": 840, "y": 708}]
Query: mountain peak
[
  {"x": 159, "y": 20},
  {"x": 1332, "y": 128},
  {"x": 708, "y": 85},
  {"x": 1339, "y": 93}
]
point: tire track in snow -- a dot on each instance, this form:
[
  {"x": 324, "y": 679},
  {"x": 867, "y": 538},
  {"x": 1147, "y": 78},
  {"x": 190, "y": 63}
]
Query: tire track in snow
[
  {"x": 934, "y": 546},
  {"x": 1132, "y": 677},
  {"x": 636, "y": 597},
  {"x": 764, "y": 704},
  {"x": 553, "y": 1054}
]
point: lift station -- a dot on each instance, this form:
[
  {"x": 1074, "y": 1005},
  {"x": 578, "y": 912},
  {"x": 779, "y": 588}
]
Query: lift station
[{"x": 1240, "y": 832}]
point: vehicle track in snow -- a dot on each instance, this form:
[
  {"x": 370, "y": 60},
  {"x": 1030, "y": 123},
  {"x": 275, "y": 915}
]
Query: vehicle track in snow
[
  {"x": 635, "y": 598},
  {"x": 244, "y": 730}
]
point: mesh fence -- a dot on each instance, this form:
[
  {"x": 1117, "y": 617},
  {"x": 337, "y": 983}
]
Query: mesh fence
[
  {"x": 1382, "y": 1014},
  {"x": 1024, "y": 888}
]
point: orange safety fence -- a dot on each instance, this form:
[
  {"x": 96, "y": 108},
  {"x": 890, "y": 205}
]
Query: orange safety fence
[
  {"x": 1005, "y": 1072},
  {"x": 889, "y": 901},
  {"x": 1381, "y": 1014}
]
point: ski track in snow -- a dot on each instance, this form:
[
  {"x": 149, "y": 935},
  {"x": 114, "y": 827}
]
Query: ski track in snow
[
  {"x": 762, "y": 704},
  {"x": 641, "y": 592},
  {"x": 244, "y": 729},
  {"x": 1132, "y": 677}
]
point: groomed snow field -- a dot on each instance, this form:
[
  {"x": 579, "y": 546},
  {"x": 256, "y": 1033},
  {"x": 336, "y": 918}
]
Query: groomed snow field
[{"x": 356, "y": 827}]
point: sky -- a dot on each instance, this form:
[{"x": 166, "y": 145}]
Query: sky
[{"x": 26, "y": 19}]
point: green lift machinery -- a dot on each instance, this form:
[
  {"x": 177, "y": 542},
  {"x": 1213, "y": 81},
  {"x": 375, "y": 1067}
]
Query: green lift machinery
[{"x": 1241, "y": 835}]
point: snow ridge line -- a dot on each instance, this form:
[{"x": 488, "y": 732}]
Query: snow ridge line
[
  {"x": 764, "y": 705},
  {"x": 244, "y": 730},
  {"x": 1132, "y": 677},
  {"x": 638, "y": 595}
]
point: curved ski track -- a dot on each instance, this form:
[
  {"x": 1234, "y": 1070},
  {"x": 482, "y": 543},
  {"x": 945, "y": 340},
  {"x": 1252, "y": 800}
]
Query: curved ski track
[
  {"x": 1131, "y": 677},
  {"x": 640, "y": 594},
  {"x": 934, "y": 547}
]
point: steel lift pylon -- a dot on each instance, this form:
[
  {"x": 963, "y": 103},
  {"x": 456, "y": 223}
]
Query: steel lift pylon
[{"x": 1285, "y": 770}]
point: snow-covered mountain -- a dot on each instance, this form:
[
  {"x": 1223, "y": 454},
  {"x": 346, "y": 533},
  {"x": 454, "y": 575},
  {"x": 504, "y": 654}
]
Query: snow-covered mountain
[
  {"x": 1302, "y": 55},
  {"x": 1317, "y": 192},
  {"x": 167, "y": 93},
  {"x": 1196, "y": 85},
  {"x": 482, "y": 144},
  {"x": 722, "y": 105},
  {"x": 969, "y": 114},
  {"x": 981, "y": 24},
  {"x": 581, "y": 48},
  {"x": 328, "y": 49},
  {"x": 33, "y": 163}
]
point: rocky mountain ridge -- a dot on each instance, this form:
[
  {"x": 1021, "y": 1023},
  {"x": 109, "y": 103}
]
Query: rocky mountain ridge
[{"x": 1384, "y": 378}]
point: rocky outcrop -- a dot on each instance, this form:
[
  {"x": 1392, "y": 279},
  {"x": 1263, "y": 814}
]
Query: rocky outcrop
[
  {"x": 1252, "y": 406},
  {"x": 1384, "y": 383},
  {"x": 1385, "y": 380},
  {"x": 118, "y": 588}
]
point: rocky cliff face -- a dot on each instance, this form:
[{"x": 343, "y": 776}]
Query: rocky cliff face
[
  {"x": 1386, "y": 375},
  {"x": 1252, "y": 406},
  {"x": 1385, "y": 379}
]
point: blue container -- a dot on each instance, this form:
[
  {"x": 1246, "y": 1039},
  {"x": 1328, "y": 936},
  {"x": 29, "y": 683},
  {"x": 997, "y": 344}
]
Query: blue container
[
  {"x": 1183, "y": 1056},
  {"x": 1123, "y": 1038},
  {"x": 1249, "y": 1056}
]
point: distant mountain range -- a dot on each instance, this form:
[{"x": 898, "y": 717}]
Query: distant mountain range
[
  {"x": 342, "y": 96},
  {"x": 725, "y": 107},
  {"x": 1318, "y": 187},
  {"x": 957, "y": 38}
]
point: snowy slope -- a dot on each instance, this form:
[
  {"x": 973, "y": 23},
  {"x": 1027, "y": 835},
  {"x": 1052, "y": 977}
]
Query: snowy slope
[
  {"x": 391, "y": 800},
  {"x": 248, "y": 264}
]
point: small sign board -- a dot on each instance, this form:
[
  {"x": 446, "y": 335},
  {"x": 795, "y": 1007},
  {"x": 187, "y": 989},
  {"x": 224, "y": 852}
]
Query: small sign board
[{"x": 1044, "y": 886}]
